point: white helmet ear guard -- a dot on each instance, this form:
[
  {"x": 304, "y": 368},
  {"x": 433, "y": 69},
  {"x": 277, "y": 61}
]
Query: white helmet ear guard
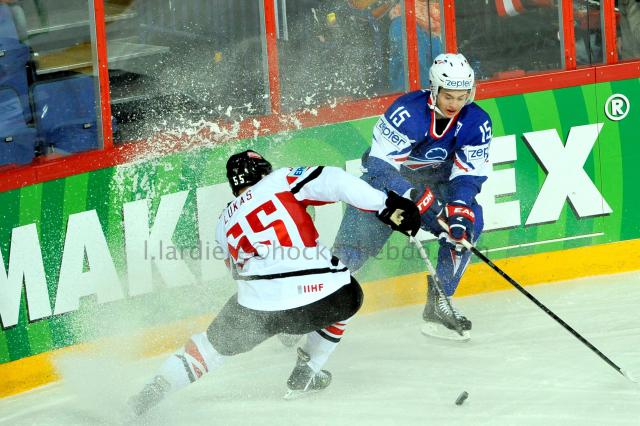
[{"x": 451, "y": 71}]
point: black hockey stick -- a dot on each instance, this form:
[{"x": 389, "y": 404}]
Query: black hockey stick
[
  {"x": 436, "y": 281},
  {"x": 540, "y": 305}
]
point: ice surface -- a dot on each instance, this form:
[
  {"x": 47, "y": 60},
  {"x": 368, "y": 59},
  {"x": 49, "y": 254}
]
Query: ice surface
[{"x": 520, "y": 368}]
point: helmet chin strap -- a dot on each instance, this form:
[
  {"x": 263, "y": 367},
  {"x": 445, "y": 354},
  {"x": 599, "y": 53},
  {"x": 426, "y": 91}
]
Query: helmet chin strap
[
  {"x": 434, "y": 99},
  {"x": 438, "y": 111}
]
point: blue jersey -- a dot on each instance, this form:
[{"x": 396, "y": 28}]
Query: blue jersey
[{"x": 406, "y": 149}]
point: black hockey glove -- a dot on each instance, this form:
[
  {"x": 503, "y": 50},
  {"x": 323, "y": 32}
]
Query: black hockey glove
[
  {"x": 461, "y": 221},
  {"x": 430, "y": 209},
  {"x": 401, "y": 214}
]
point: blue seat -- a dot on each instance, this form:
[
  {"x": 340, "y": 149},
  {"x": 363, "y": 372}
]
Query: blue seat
[
  {"x": 7, "y": 25},
  {"x": 17, "y": 140},
  {"x": 65, "y": 113},
  {"x": 13, "y": 72}
]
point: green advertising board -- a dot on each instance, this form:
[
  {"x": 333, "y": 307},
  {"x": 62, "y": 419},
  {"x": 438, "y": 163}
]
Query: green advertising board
[{"x": 120, "y": 248}]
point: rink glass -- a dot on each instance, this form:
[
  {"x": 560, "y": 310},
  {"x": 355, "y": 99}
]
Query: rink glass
[{"x": 173, "y": 64}]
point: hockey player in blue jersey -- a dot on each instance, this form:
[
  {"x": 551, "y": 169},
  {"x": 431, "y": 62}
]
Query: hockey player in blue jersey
[{"x": 431, "y": 146}]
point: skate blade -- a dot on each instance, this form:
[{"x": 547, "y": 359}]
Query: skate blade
[
  {"x": 297, "y": 394},
  {"x": 439, "y": 331}
]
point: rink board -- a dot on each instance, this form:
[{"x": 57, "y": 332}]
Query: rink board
[{"x": 79, "y": 242}]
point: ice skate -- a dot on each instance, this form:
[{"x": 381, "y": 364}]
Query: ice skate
[
  {"x": 442, "y": 318},
  {"x": 303, "y": 380},
  {"x": 149, "y": 396}
]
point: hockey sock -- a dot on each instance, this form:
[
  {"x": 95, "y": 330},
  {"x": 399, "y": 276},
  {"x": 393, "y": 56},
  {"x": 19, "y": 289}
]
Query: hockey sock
[
  {"x": 321, "y": 343},
  {"x": 196, "y": 358},
  {"x": 451, "y": 265}
]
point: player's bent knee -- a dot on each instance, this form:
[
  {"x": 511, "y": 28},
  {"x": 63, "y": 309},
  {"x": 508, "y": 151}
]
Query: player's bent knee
[
  {"x": 228, "y": 346},
  {"x": 356, "y": 299},
  {"x": 351, "y": 298},
  {"x": 230, "y": 341},
  {"x": 223, "y": 340}
]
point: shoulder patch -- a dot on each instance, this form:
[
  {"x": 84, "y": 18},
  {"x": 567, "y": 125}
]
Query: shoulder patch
[{"x": 295, "y": 173}]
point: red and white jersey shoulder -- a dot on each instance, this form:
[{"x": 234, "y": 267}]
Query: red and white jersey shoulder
[{"x": 272, "y": 243}]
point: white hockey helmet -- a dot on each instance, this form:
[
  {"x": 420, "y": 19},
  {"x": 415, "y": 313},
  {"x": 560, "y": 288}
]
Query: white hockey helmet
[{"x": 451, "y": 71}]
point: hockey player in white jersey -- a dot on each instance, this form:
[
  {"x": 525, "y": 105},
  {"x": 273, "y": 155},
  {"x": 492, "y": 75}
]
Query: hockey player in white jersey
[{"x": 288, "y": 282}]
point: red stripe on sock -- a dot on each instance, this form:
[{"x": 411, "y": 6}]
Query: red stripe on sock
[
  {"x": 335, "y": 330},
  {"x": 197, "y": 371},
  {"x": 192, "y": 350}
]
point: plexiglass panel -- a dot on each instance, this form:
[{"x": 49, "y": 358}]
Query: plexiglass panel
[
  {"x": 176, "y": 63},
  {"x": 588, "y": 29},
  {"x": 335, "y": 50},
  {"x": 628, "y": 18},
  {"x": 430, "y": 29},
  {"x": 507, "y": 38}
]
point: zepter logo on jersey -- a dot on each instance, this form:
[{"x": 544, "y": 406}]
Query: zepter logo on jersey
[
  {"x": 385, "y": 131},
  {"x": 472, "y": 160},
  {"x": 477, "y": 154}
]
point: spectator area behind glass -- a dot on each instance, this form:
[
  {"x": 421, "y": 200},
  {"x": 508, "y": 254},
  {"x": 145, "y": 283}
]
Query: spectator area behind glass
[
  {"x": 501, "y": 41},
  {"x": 208, "y": 66},
  {"x": 171, "y": 63},
  {"x": 178, "y": 64},
  {"x": 29, "y": 35},
  {"x": 338, "y": 51},
  {"x": 628, "y": 29}
]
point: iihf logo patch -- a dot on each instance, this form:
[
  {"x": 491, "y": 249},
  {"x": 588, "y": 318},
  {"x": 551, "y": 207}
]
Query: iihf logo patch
[{"x": 310, "y": 288}]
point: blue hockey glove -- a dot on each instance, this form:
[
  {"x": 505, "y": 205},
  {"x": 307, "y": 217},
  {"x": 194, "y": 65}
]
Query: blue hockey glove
[
  {"x": 461, "y": 220},
  {"x": 430, "y": 209}
]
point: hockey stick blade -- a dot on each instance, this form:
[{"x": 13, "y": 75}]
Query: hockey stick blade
[
  {"x": 539, "y": 304},
  {"x": 626, "y": 374}
]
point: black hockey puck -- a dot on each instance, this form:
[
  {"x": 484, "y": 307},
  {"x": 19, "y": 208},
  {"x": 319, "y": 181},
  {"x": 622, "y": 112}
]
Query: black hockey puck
[{"x": 462, "y": 398}]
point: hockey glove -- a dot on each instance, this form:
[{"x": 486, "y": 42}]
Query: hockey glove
[
  {"x": 461, "y": 220},
  {"x": 401, "y": 214},
  {"x": 430, "y": 209}
]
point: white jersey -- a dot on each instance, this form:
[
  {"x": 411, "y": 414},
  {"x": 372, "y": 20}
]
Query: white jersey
[{"x": 272, "y": 243}]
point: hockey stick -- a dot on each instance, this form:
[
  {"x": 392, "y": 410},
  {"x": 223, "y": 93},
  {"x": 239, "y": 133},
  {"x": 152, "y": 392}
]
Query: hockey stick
[
  {"x": 539, "y": 304},
  {"x": 436, "y": 281}
]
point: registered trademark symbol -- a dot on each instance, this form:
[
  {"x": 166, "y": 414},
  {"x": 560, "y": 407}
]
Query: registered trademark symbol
[{"x": 617, "y": 107}]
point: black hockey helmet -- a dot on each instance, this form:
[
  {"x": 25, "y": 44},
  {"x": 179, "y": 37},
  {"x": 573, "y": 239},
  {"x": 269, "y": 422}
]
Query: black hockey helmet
[{"x": 245, "y": 169}]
